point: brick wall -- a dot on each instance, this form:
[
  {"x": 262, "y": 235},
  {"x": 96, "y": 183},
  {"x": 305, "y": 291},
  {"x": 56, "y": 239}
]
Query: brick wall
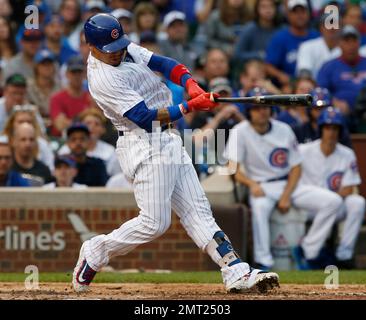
[
  {"x": 46, "y": 238},
  {"x": 174, "y": 250}
]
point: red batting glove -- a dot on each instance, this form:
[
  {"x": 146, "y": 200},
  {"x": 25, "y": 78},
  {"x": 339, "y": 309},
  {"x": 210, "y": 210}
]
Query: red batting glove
[
  {"x": 194, "y": 90},
  {"x": 203, "y": 102}
]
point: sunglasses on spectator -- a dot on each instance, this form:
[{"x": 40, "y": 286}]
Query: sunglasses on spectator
[{"x": 24, "y": 107}]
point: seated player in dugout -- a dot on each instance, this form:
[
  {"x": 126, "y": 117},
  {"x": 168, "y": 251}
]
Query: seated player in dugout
[
  {"x": 122, "y": 81},
  {"x": 267, "y": 149},
  {"x": 333, "y": 166}
]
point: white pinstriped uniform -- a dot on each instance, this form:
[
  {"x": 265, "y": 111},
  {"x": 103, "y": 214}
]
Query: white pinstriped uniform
[
  {"x": 270, "y": 156},
  {"x": 333, "y": 172},
  {"x": 162, "y": 173}
]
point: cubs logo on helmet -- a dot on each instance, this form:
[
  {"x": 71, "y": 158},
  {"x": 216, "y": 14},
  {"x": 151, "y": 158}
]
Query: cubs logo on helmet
[
  {"x": 115, "y": 33},
  {"x": 334, "y": 180},
  {"x": 279, "y": 158},
  {"x": 104, "y": 32}
]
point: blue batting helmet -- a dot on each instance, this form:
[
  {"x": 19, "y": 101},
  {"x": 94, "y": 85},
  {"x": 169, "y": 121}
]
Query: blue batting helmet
[
  {"x": 331, "y": 115},
  {"x": 321, "y": 97},
  {"x": 105, "y": 33}
]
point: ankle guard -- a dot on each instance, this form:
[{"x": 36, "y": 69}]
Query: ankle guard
[{"x": 222, "y": 245}]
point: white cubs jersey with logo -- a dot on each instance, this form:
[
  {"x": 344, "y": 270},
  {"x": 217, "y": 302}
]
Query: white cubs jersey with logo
[
  {"x": 118, "y": 89},
  {"x": 268, "y": 156},
  {"x": 331, "y": 172}
]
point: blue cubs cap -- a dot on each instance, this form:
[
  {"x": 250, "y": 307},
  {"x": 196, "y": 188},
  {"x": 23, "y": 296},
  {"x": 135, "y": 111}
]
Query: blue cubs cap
[
  {"x": 44, "y": 55},
  {"x": 105, "y": 32},
  {"x": 65, "y": 160},
  {"x": 331, "y": 115}
]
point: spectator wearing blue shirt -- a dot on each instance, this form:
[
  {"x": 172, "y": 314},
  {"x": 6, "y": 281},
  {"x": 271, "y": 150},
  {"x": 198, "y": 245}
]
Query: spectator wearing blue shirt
[
  {"x": 345, "y": 76},
  {"x": 54, "y": 41},
  {"x": 8, "y": 177},
  {"x": 281, "y": 54}
]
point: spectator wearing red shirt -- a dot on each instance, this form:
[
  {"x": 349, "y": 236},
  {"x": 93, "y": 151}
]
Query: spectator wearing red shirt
[{"x": 66, "y": 104}]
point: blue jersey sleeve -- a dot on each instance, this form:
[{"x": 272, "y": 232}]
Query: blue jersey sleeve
[
  {"x": 142, "y": 116},
  {"x": 162, "y": 64},
  {"x": 165, "y": 65}
]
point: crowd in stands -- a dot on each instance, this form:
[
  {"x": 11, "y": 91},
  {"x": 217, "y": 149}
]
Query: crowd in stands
[{"x": 230, "y": 46}]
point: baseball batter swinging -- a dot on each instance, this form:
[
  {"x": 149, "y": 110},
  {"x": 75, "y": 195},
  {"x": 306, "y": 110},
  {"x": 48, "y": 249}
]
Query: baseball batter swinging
[{"x": 122, "y": 81}]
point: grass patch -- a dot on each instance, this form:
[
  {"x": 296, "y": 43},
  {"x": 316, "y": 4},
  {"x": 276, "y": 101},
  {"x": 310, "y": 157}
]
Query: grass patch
[{"x": 286, "y": 277}]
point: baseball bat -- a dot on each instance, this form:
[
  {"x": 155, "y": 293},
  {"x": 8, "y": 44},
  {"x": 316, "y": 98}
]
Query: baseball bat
[{"x": 303, "y": 100}]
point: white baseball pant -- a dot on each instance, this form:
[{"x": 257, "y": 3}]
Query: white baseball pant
[
  {"x": 324, "y": 203},
  {"x": 163, "y": 179},
  {"x": 353, "y": 214}
]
